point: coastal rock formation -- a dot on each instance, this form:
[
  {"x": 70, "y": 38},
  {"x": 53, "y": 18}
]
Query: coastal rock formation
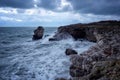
[
  {"x": 78, "y": 31},
  {"x": 101, "y": 61},
  {"x": 85, "y": 31},
  {"x": 70, "y": 52},
  {"x": 38, "y": 33}
]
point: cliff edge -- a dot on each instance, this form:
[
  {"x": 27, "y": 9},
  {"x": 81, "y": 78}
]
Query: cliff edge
[{"x": 101, "y": 61}]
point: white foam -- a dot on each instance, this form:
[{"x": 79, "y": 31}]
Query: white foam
[
  {"x": 45, "y": 60},
  {"x": 45, "y": 39}
]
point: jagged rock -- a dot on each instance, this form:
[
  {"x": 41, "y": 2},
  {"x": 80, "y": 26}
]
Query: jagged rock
[
  {"x": 86, "y": 31},
  {"x": 76, "y": 60},
  {"x": 70, "y": 52},
  {"x": 101, "y": 61},
  {"x": 105, "y": 69},
  {"x": 77, "y": 71},
  {"x": 38, "y": 33},
  {"x": 75, "y": 31},
  {"x": 78, "y": 31},
  {"x": 108, "y": 51}
]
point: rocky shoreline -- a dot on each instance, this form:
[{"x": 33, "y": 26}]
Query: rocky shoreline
[{"x": 101, "y": 61}]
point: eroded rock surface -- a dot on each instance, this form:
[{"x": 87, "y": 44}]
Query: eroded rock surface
[
  {"x": 38, "y": 33},
  {"x": 101, "y": 61},
  {"x": 85, "y": 31}
]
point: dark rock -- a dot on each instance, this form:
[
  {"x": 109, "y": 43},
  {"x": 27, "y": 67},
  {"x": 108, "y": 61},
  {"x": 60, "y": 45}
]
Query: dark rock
[
  {"x": 38, "y": 33},
  {"x": 78, "y": 31},
  {"x": 86, "y": 31},
  {"x": 108, "y": 51},
  {"x": 76, "y": 60},
  {"x": 76, "y": 71},
  {"x": 60, "y": 79},
  {"x": 46, "y": 35},
  {"x": 75, "y": 31},
  {"x": 70, "y": 52},
  {"x": 52, "y": 39},
  {"x": 102, "y": 61}
]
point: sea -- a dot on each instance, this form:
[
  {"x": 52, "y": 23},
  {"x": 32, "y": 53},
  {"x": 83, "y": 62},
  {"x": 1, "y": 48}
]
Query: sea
[{"x": 21, "y": 58}]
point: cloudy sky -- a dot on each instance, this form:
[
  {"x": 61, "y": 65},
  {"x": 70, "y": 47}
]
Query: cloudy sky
[{"x": 56, "y": 12}]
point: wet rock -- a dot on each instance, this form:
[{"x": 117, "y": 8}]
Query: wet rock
[
  {"x": 78, "y": 31},
  {"x": 102, "y": 61},
  {"x": 60, "y": 79},
  {"x": 46, "y": 35},
  {"x": 77, "y": 71},
  {"x": 52, "y": 39},
  {"x": 70, "y": 52},
  {"x": 79, "y": 78},
  {"x": 75, "y": 32},
  {"x": 88, "y": 31},
  {"x": 38, "y": 33},
  {"x": 76, "y": 60}
]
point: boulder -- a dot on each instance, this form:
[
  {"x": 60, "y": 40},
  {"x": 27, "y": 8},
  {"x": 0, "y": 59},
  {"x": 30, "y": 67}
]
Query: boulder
[
  {"x": 70, "y": 52},
  {"x": 38, "y": 33},
  {"x": 52, "y": 39}
]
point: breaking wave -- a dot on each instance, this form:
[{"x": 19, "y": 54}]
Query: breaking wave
[{"x": 24, "y": 59}]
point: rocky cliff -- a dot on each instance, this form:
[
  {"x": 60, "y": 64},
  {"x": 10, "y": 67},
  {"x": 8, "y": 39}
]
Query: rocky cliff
[
  {"x": 101, "y": 61},
  {"x": 85, "y": 31}
]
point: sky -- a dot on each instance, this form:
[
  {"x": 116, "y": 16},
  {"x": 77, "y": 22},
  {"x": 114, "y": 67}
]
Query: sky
[{"x": 55, "y": 13}]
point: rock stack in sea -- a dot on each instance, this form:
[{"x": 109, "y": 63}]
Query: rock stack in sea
[
  {"x": 101, "y": 61},
  {"x": 38, "y": 33}
]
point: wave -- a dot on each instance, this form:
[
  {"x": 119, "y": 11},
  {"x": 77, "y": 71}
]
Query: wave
[{"x": 39, "y": 60}]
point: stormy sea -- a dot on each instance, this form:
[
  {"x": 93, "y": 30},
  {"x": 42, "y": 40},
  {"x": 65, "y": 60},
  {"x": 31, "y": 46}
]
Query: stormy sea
[{"x": 21, "y": 58}]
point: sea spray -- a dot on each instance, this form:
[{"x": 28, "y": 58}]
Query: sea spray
[{"x": 38, "y": 60}]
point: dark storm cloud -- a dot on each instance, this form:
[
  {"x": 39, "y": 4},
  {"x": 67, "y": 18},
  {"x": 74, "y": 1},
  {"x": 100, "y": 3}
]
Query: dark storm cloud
[
  {"x": 49, "y": 4},
  {"x": 101, "y": 7},
  {"x": 17, "y": 3},
  {"x": 97, "y": 7},
  {"x": 46, "y": 4}
]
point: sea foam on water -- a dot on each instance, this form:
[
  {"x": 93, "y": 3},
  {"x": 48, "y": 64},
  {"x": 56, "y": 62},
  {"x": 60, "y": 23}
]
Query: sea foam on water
[{"x": 40, "y": 60}]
